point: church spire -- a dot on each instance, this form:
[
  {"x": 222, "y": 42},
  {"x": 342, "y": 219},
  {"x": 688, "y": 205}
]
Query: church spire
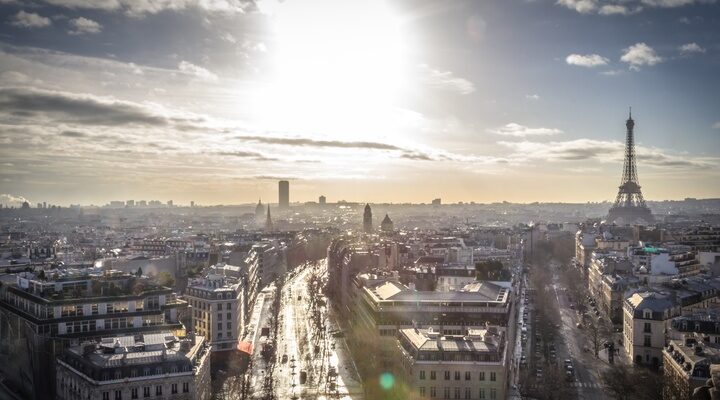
[{"x": 268, "y": 221}]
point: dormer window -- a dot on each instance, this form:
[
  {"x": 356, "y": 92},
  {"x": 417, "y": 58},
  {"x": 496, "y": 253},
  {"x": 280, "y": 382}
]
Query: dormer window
[{"x": 647, "y": 314}]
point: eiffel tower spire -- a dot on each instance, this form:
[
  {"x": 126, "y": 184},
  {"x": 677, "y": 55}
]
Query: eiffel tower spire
[{"x": 629, "y": 204}]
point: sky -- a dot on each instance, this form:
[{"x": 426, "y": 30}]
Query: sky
[{"x": 213, "y": 101}]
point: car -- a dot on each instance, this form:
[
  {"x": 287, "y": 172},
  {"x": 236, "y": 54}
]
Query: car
[
  {"x": 572, "y": 306},
  {"x": 539, "y": 372},
  {"x": 284, "y": 358},
  {"x": 568, "y": 362}
]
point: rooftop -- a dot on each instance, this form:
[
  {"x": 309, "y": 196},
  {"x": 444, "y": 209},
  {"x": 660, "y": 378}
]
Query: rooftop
[
  {"x": 487, "y": 340},
  {"x": 485, "y": 291}
]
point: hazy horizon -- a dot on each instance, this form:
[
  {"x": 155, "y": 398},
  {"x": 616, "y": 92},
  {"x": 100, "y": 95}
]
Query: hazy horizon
[{"x": 374, "y": 101}]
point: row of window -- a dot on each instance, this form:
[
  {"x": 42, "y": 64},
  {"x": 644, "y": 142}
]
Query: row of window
[
  {"x": 134, "y": 392},
  {"x": 482, "y": 393},
  {"x": 457, "y": 375}
]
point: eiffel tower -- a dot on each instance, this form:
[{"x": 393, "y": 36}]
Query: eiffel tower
[{"x": 630, "y": 207}]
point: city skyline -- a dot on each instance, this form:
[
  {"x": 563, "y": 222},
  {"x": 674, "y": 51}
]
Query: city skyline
[{"x": 214, "y": 102}]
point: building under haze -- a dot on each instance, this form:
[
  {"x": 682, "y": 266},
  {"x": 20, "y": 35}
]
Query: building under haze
[
  {"x": 367, "y": 219},
  {"x": 284, "y": 194}
]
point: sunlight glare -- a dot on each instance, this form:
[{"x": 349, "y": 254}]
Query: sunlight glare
[{"x": 338, "y": 66}]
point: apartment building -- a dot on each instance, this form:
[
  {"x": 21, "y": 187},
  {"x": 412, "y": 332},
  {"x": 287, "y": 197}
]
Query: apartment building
[
  {"x": 217, "y": 307},
  {"x": 151, "y": 365},
  {"x": 644, "y": 325},
  {"x": 686, "y": 365},
  {"x": 473, "y": 366},
  {"x": 52, "y": 309}
]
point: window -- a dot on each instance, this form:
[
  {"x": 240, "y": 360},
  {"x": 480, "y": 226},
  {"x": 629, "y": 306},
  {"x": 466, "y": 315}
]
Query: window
[
  {"x": 468, "y": 393},
  {"x": 447, "y": 375},
  {"x": 493, "y": 393},
  {"x": 422, "y": 375},
  {"x": 146, "y": 391},
  {"x": 219, "y": 316},
  {"x": 433, "y": 392},
  {"x": 219, "y": 325},
  {"x": 219, "y": 335},
  {"x": 482, "y": 376},
  {"x": 219, "y": 306},
  {"x": 492, "y": 377},
  {"x": 229, "y": 316},
  {"x": 432, "y": 375},
  {"x": 647, "y": 328},
  {"x": 446, "y": 393},
  {"x": 467, "y": 375},
  {"x": 106, "y": 395},
  {"x": 158, "y": 390},
  {"x": 118, "y": 395},
  {"x": 457, "y": 375},
  {"x": 422, "y": 391},
  {"x": 133, "y": 393},
  {"x": 186, "y": 387},
  {"x": 229, "y": 325},
  {"x": 173, "y": 388},
  {"x": 457, "y": 392},
  {"x": 481, "y": 395},
  {"x": 647, "y": 342}
]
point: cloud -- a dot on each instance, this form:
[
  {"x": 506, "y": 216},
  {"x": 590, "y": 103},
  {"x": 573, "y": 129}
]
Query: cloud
[
  {"x": 12, "y": 200},
  {"x": 534, "y": 97},
  {"x": 674, "y": 3},
  {"x": 197, "y": 71},
  {"x": 690, "y": 48},
  {"x": 603, "y": 151},
  {"x": 517, "y": 130},
  {"x": 622, "y": 7},
  {"x": 30, "y": 20},
  {"x": 587, "y": 60},
  {"x": 614, "y": 9},
  {"x": 581, "y": 6},
  {"x": 247, "y": 154},
  {"x": 613, "y": 72},
  {"x": 139, "y": 8},
  {"x": 319, "y": 143},
  {"x": 83, "y": 25},
  {"x": 73, "y": 134},
  {"x": 228, "y": 37},
  {"x": 76, "y": 108},
  {"x": 445, "y": 80},
  {"x": 640, "y": 54}
]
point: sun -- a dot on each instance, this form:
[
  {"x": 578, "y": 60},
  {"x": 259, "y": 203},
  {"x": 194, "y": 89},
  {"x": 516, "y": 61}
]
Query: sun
[{"x": 338, "y": 69}]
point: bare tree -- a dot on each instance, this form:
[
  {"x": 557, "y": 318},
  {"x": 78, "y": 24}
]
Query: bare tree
[{"x": 624, "y": 382}]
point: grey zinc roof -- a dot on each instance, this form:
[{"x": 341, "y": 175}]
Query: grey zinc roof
[{"x": 650, "y": 300}]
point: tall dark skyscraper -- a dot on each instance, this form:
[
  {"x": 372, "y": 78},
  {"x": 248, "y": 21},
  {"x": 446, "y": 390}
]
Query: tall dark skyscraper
[
  {"x": 367, "y": 219},
  {"x": 284, "y": 194},
  {"x": 630, "y": 207}
]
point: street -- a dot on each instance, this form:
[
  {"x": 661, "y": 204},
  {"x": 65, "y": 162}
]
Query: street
[{"x": 310, "y": 361}]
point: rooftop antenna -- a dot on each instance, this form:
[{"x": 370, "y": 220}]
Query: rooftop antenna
[{"x": 630, "y": 112}]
